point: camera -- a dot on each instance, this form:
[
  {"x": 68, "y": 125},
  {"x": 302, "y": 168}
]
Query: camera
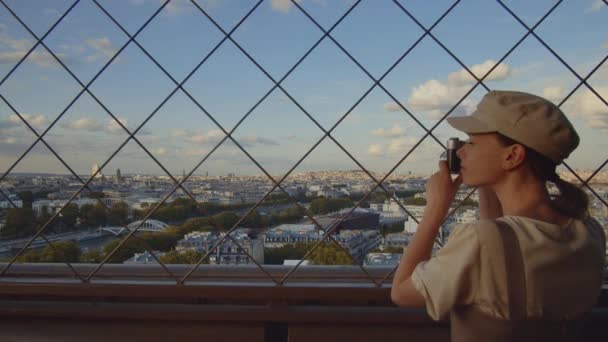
[{"x": 450, "y": 154}]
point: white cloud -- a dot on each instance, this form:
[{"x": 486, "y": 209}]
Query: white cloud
[
  {"x": 36, "y": 57},
  {"x": 19, "y": 47},
  {"x": 462, "y": 77},
  {"x": 160, "y": 151},
  {"x": 391, "y": 107},
  {"x": 211, "y": 136},
  {"x": 87, "y": 124},
  {"x": 401, "y": 145},
  {"x": 600, "y": 122},
  {"x": 15, "y": 44},
  {"x": 435, "y": 98},
  {"x": 8, "y": 140},
  {"x": 395, "y": 146},
  {"x": 103, "y": 47},
  {"x": 114, "y": 127},
  {"x": 553, "y": 93},
  {"x": 589, "y": 107},
  {"x": 392, "y": 132},
  {"x": 256, "y": 140},
  {"x": 282, "y": 5},
  {"x": 38, "y": 121},
  {"x": 376, "y": 150},
  {"x": 595, "y": 6}
]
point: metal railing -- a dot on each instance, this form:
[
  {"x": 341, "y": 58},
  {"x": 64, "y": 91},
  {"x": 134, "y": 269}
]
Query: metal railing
[{"x": 87, "y": 274}]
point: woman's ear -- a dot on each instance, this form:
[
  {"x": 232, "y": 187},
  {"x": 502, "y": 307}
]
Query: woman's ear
[{"x": 514, "y": 156}]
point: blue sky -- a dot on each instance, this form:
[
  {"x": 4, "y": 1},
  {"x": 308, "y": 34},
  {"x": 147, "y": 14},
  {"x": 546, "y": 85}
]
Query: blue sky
[{"x": 378, "y": 133}]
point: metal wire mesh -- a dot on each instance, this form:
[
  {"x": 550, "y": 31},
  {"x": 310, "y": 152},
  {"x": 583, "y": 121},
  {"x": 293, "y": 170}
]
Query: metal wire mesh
[{"x": 228, "y": 134}]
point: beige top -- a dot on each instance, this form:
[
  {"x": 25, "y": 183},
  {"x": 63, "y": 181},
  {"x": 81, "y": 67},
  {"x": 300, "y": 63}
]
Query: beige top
[{"x": 563, "y": 268}]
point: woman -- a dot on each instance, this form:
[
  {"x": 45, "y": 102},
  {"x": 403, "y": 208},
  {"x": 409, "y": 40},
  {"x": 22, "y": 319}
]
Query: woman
[{"x": 532, "y": 265}]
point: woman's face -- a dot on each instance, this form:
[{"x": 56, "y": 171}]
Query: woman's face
[{"x": 481, "y": 160}]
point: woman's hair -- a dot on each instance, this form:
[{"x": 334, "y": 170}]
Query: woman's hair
[{"x": 571, "y": 201}]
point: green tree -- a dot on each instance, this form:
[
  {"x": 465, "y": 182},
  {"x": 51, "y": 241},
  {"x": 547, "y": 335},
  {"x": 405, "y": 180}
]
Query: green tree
[
  {"x": 97, "y": 215},
  {"x": 61, "y": 251},
  {"x": 393, "y": 228},
  {"x": 92, "y": 256},
  {"x": 470, "y": 202},
  {"x": 29, "y": 256},
  {"x": 327, "y": 205},
  {"x": 378, "y": 197},
  {"x": 276, "y": 256},
  {"x": 118, "y": 214},
  {"x": 225, "y": 220},
  {"x": 126, "y": 251},
  {"x": 163, "y": 241},
  {"x": 390, "y": 249},
  {"x": 69, "y": 215},
  {"x": 20, "y": 222},
  {"x": 27, "y": 197},
  {"x": 419, "y": 201},
  {"x": 185, "y": 257},
  {"x": 330, "y": 254},
  {"x": 254, "y": 220}
]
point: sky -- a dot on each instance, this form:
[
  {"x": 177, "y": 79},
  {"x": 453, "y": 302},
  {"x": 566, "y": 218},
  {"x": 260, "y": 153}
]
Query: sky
[{"x": 326, "y": 85}]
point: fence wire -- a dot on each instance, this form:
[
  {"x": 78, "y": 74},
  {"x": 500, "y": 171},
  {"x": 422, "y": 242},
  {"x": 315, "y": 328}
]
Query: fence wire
[{"x": 178, "y": 184}]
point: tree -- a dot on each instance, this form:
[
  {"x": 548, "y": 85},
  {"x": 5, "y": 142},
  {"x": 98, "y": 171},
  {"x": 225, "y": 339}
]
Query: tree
[
  {"x": 330, "y": 254},
  {"x": 69, "y": 215},
  {"x": 328, "y": 205},
  {"x": 27, "y": 197},
  {"x": 126, "y": 251},
  {"x": 29, "y": 256},
  {"x": 225, "y": 220},
  {"x": 393, "y": 228},
  {"x": 390, "y": 249},
  {"x": 185, "y": 257},
  {"x": 118, "y": 214},
  {"x": 92, "y": 256},
  {"x": 276, "y": 256},
  {"x": 61, "y": 251},
  {"x": 470, "y": 202},
  {"x": 254, "y": 220},
  {"x": 163, "y": 241},
  {"x": 414, "y": 201},
  {"x": 20, "y": 222},
  {"x": 97, "y": 215}
]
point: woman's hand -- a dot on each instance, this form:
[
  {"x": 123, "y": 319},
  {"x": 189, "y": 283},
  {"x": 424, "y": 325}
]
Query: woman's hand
[{"x": 440, "y": 192}]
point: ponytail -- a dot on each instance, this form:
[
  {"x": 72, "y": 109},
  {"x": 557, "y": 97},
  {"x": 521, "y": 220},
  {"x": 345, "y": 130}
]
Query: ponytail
[{"x": 571, "y": 201}]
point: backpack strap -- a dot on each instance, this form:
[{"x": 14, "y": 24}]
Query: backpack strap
[{"x": 516, "y": 276}]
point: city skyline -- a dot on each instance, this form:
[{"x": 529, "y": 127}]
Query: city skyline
[{"x": 378, "y": 132}]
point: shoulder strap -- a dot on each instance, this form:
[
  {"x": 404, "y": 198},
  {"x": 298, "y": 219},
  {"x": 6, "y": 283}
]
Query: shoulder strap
[{"x": 514, "y": 267}]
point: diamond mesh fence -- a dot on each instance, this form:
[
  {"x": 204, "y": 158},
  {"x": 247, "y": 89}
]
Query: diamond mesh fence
[{"x": 232, "y": 127}]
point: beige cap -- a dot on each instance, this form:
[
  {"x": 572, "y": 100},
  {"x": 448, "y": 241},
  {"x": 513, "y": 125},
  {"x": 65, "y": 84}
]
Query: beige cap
[{"x": 525, "y": 118}]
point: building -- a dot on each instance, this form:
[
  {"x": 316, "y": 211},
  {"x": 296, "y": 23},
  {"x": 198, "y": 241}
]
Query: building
[
  {"x": 291, "y": 234},
  {"x": 359, "y": 219},
  {"x": 52, "y": 206},
  {"x": 228, "y": 252},
  {"x": 398, "y": 240},
  {"x": 358, "y": 242},
  {"x": 144, "y": 258},
  {"x": 382, "y": 259},
  {"x": 8, "y": 205}
]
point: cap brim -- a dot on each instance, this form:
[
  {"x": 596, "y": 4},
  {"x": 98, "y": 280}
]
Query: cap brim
[{"x": 469, "y": 124}]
